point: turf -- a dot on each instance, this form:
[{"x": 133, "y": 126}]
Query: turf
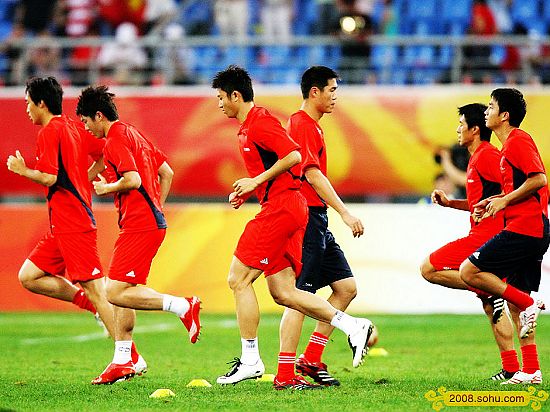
[{"x": 48, "y": 360}]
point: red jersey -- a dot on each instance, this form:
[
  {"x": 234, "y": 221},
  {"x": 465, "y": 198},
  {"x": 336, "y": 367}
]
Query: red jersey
[
  {"x": 63, "y": 148},
  {"x": 309, "y": 135},
  {"x": 128, "y": 150},
  {"x": 483, "y": 179},
  {"x": 263, "y": 141},
  {"x": 520, "y": 159}
]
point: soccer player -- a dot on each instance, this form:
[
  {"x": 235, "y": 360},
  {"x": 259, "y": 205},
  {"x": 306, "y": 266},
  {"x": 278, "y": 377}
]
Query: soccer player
[
  {"x": 67, "y": 254},
  {"x": 517, "y": 251},
  {"x": 140, "y": 178},
  {"x": 323, "y": 262},
  {"x": 483, "y": 180},
  {"x": 271, "y": 242}
]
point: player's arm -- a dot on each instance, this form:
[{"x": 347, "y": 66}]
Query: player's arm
[
  {"x": 533, "y": 183},
  {"x": 166, "y": 174},
  {"x": 96, "y": 168},
  {"x": 17, "y": 165},
  {"x": 247, "y": 185},
  {"x": 439, "y": 197},
  {"x": 324, "y": 188},
  {"x": 130, "y": 180}
]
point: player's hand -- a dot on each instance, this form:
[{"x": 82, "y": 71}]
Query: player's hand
[
  {"x": 244, "y": 186},
  {"x": 439, "y": 197},
  {"x": 495, "y": 206},
  {"x": 354, "y": 224},
  {"x": 100, "y": 186},
  {"x": 235, "y": 200},
  {"x": 16, "y": 163},
  {"x": 478, "y": 214}
]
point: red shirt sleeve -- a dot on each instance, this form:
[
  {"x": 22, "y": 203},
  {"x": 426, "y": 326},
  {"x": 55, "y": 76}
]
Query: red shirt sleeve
[
  {"x": 311, "y": 144},
  {"x": 526, "y": 157},
  {"x": 270, "y": 135},
  {"x": 47, "y": 151},
  {"x": 118, "y": 152}
]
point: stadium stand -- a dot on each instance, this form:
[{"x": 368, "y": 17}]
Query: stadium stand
[{"x": 423, "y": 43}]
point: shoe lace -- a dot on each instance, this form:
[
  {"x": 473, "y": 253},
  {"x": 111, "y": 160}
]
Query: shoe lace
[{"x": 235, "y": 363}]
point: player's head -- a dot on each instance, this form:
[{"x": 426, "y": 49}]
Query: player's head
[
  {"x": 96, "y": 107},
  {"x": 234, "y": 79},
  {"x": 472, "y": 116},
  {"x": 318, "y": 77},
  {"x": 234, "y": 87},
  {"x": 46, "y": 90},
  {"x": 510, "y": 101}
]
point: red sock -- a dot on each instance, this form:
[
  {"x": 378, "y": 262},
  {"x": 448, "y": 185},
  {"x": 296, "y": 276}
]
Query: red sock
[
  {"x": 285, "y": 367},
  {"x": 315, "y": 347},
  {"x": 530, "y": 358},
  {"x": 81, "y": 300},
  {"x": 510, "y": 361},
  {"x": 134, "y": 353},
  {"x": 518, "y": 298}
]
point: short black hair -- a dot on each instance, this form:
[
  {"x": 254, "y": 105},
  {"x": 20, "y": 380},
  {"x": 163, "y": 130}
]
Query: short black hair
[
  {"x": 48, "y": 90},
  {"x": 511, "y": 100},
  {"x": 316, "y": 76},
  {"x": 474, "y": 114},
  {"x": 95, "y": 99},
  {"x": 234, "y": 78}
]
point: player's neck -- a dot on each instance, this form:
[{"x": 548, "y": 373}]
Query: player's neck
[
  {"x": 47, "y": 118},
  {"x": 473, "y": 147},
  {"x": 503, "y": 132},
  {"x": 244, "y": 109},
  {"x": 311, "y": 110},
  {"x": 107, "y": 126}
]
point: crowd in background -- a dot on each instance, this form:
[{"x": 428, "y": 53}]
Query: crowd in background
[{"x": 121, "y": 59}]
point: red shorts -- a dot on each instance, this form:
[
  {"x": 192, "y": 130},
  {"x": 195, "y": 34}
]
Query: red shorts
[
  {"x": 72, "y": 253},
  {"x": 133, "y": 255},
  {"x": 272, "y": 241},
  {"x": 451, "y": 256}
]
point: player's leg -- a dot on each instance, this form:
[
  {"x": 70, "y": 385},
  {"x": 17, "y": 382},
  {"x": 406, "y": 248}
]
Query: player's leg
[
  {"x": 96, "y": 291},
  {"x": 128, "y": 273},
  {"x": 249, "y": 365},
  {"x": 37, "y": 281},
  {"x": 503, "y": 331},
  {"x": 121, "y": 367},
  {"x": 530, "y": 371},
  {"x": 284, "y": 292},
  {"x": 448, "y": 278}
]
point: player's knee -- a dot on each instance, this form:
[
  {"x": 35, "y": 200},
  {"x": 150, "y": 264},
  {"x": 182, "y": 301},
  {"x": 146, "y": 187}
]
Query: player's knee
[
  {"x": 467, "y": 271},
  {"x": 282, "y": 297}
]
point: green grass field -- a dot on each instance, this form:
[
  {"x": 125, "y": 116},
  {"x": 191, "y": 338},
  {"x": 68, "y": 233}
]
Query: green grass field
[{"x": 48, "y": 360}]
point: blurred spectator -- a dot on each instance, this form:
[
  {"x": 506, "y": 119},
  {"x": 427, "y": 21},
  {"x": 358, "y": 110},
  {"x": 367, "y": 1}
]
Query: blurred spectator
[
  {"x": 232, "y": 17},
  {"x": 354, "y": 29},
  {"x": 327, "y": 12},
  {"x": 115, "y": 12},
  {"x": 514, "y": 56},
  {"x": 35, "y": 16},
  {"x": 197, "y": 17},
  {"x": 15, "y": 65},
  {"x": 44, "y": 59},
  {"x": 442, "y": 181},
  {"x": 158, "y": 13},
  {"x": 454, "y": 161},
  {"x": 477, "y": 62},
  {"x": 276, "y": 18},
  {"x": 174, "y": 60},
  {"x": 501, "y": 13},
  {"x": 123, "y": 57},
  {"x": 389, "y": 23},
  {"x": 79, "y": 16}
]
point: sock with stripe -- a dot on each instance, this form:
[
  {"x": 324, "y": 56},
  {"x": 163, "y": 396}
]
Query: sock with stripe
[
  {"x": 530, "y": 358},
  {"x": 285, "y": 367},
  {"x": 518, "y": 298},
  {"x": 510, "y": 361},
  {"x": 250, "y": 353},
  {"x": 315, "y": 347},
  {"x": 134, "y": 353},
  {"x": 81, "y": 300}
]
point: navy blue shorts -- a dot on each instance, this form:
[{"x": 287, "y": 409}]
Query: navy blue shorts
[
  {"x": 323, "y": 262},
  {"x": 515, "y": 257}
]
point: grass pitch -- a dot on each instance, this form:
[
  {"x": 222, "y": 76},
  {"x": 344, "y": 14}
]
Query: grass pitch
[{"x": 48, "y": 360}]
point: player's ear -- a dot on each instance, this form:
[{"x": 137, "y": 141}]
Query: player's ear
[{"x": 235, "y": 96}]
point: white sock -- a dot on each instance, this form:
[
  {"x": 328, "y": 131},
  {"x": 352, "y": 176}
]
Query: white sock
[
  {"x": 250, "y": 351},
  {"x": 123, "y": 352},
  {"x": 175, "y": 304},
  {"x": 344, "y": 322}
]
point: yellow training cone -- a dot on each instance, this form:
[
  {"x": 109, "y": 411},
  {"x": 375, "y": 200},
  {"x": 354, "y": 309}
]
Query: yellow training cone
[
  {"x": 266, "y": 377},
  {"x": 199, "y": 382},
  {"x": 162, "y": 393}
]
